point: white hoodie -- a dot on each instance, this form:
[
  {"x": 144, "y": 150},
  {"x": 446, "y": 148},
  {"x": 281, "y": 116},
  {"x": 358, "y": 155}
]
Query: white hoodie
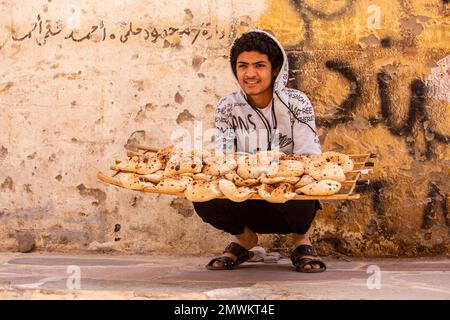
[{"x": 292, "y": 128}]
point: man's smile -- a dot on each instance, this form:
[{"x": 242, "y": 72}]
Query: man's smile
[{"x": 251, "y": 81}]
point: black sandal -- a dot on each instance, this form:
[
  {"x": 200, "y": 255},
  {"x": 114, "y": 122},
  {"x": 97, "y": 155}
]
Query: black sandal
[
  {"x": 227, "y": 263},
  {"x": 298, "y": 260}
]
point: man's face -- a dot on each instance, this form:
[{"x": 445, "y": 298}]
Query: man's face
[{"x": 255, "y": 74}]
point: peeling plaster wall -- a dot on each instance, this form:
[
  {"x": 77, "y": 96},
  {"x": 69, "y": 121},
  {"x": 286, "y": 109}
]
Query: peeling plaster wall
[{"x": 80, "y": 80}]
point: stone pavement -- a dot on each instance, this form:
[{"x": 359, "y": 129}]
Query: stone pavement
[{"x": 41, "y": 275}]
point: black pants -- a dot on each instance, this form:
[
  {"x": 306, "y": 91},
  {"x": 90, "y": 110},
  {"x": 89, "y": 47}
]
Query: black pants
[{"x": 294, "y": 216}]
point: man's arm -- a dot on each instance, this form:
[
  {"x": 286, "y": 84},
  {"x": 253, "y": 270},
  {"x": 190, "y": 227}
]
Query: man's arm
[{"x": 306, "y": 140}]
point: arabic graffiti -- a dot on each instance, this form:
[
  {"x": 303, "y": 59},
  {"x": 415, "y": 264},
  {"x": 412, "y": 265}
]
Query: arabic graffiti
[
  {"x": 416, "y": 120},
  {"x": 417, "y": 114},
  {"x": 345, "y": 109},
  {"x": 43, "y": 31},
  {"x": 306, "y": 10}
]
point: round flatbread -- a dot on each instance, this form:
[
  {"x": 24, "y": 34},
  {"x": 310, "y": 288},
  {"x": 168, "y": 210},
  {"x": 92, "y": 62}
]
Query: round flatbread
[
  {"x": 340, "y": 159},
  {"x": 185, "y": 162},
  {"x": 304, "y": 180},
  {"x": 238, "y": 181},
  {"x": 265, "y": 158},
  {"x": 148, "y": 163},
  {"x": 154, "y": 177},
  {"x": 164, "y": 153},
  {"x": 276, "y": 194},
  {"x": 298, "y": 157},
  {"x": 202, "y": 176},
  {"x": 175, "y": 184},
  {"x": 144, "y": 164},
  {"x": 320, "y": 188},
  {"x": 134, "y": 182},
  {"x": 275, "y": 180},
  {"x": 321, "y": 170},
  {"x": 233, "y": 193},
  {"x": 199, "y": 191},
  {"x": 218, "y": 157},
  {"x": 249, "y": 167},
  {"x": 286, "y": 168},
  {"x": 216, "y": 169},
  {"x": 129, "y": 165}
]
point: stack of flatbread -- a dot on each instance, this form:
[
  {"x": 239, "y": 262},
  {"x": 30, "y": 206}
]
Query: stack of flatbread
[{"x": 203, "y": 175}]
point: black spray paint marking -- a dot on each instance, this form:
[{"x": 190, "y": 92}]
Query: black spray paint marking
[
  {"x": 348, "y": 106},
  {"x": 380, "y": 220},
  {"x": 437, "y": 198},
  {"x": 417, "y": 114},
  {"x": 304, "y": 10}
]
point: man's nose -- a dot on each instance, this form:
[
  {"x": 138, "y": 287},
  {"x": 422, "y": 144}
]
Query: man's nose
[{"x": 250, "y": 72}]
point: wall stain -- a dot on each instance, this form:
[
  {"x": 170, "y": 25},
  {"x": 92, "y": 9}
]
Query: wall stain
[
  {"x": 7, "y": 86},
  {"x": 97, "y": 194},
  {"x": 136, "y": 138},
  {"x": 3, "y": 153},
  {"x": 142, "y": 113},
  {"x": 197, "y": 62},
  {"x": 183, "y": 207},
  {"x": 27, "y": 188},
  {"x": 179, "y": 98},
  {"x": 185, "y": 116},
  {"x": 8, "y": 184}
]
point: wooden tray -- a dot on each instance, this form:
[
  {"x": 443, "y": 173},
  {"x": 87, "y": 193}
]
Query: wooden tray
[{"x": 362, "y": 167}]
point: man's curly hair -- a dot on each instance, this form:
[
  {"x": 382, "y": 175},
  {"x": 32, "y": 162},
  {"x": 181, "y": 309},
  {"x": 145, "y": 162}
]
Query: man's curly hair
[{"x": 256, "y": 41}]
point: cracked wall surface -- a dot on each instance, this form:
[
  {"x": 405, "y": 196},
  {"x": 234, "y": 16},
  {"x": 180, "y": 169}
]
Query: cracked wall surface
[{"x": 83, "y": 80}]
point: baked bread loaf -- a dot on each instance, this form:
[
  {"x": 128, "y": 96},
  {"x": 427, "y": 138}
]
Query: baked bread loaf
[
  {"x": 202, "y": 175},
  {"x": 277, "y": 194},
  {"x": 320, "y": 188},
  {"x": 199, "y": 191},
  {"x": 236, "y": 194}
]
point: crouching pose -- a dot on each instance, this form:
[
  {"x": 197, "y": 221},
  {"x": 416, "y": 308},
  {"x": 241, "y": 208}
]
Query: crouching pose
[{"x": 287, "y": 119}]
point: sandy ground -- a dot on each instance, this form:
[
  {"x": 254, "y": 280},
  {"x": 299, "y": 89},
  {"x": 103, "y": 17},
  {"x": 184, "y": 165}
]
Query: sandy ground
[{"x": 116, "y": 276}]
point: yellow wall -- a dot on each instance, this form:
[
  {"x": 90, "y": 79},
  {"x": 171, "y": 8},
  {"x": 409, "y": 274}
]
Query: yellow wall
[{"x": 377, "y": 73}]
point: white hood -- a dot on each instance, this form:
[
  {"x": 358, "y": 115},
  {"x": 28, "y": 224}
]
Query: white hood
[
  {"x": 282, "y": 78},
  {"x": 291, "y": 129}
]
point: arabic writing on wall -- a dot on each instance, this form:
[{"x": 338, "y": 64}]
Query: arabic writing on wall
[{"x": 43, "y": 30}]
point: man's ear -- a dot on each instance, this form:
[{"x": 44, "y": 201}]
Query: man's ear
[{"x": 276, "y": 71}]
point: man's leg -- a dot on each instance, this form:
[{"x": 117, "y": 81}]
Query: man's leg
[
  {"x": 224, "y": 215},
  {"x": 220, "y": 213},
  {"x": 300, "y": 239},
  {"x": 300, "y": 215}
]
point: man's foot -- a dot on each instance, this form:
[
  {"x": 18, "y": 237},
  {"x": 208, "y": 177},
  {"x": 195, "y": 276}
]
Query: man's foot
[
  {"x": 305, "y": 259},
  {"x": 227, "y": 263},
  {"x": 248, "y": 239},
  {"x": 303, "y": 239}
]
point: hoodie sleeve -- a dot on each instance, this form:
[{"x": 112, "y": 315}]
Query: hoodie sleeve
[
  {"x": 304, "y": 134},
  {"x": 225, "y": 134}
]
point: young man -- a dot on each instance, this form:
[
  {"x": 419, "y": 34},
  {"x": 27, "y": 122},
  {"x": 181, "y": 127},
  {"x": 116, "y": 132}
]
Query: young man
[{"x": 263, "y": 115}]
